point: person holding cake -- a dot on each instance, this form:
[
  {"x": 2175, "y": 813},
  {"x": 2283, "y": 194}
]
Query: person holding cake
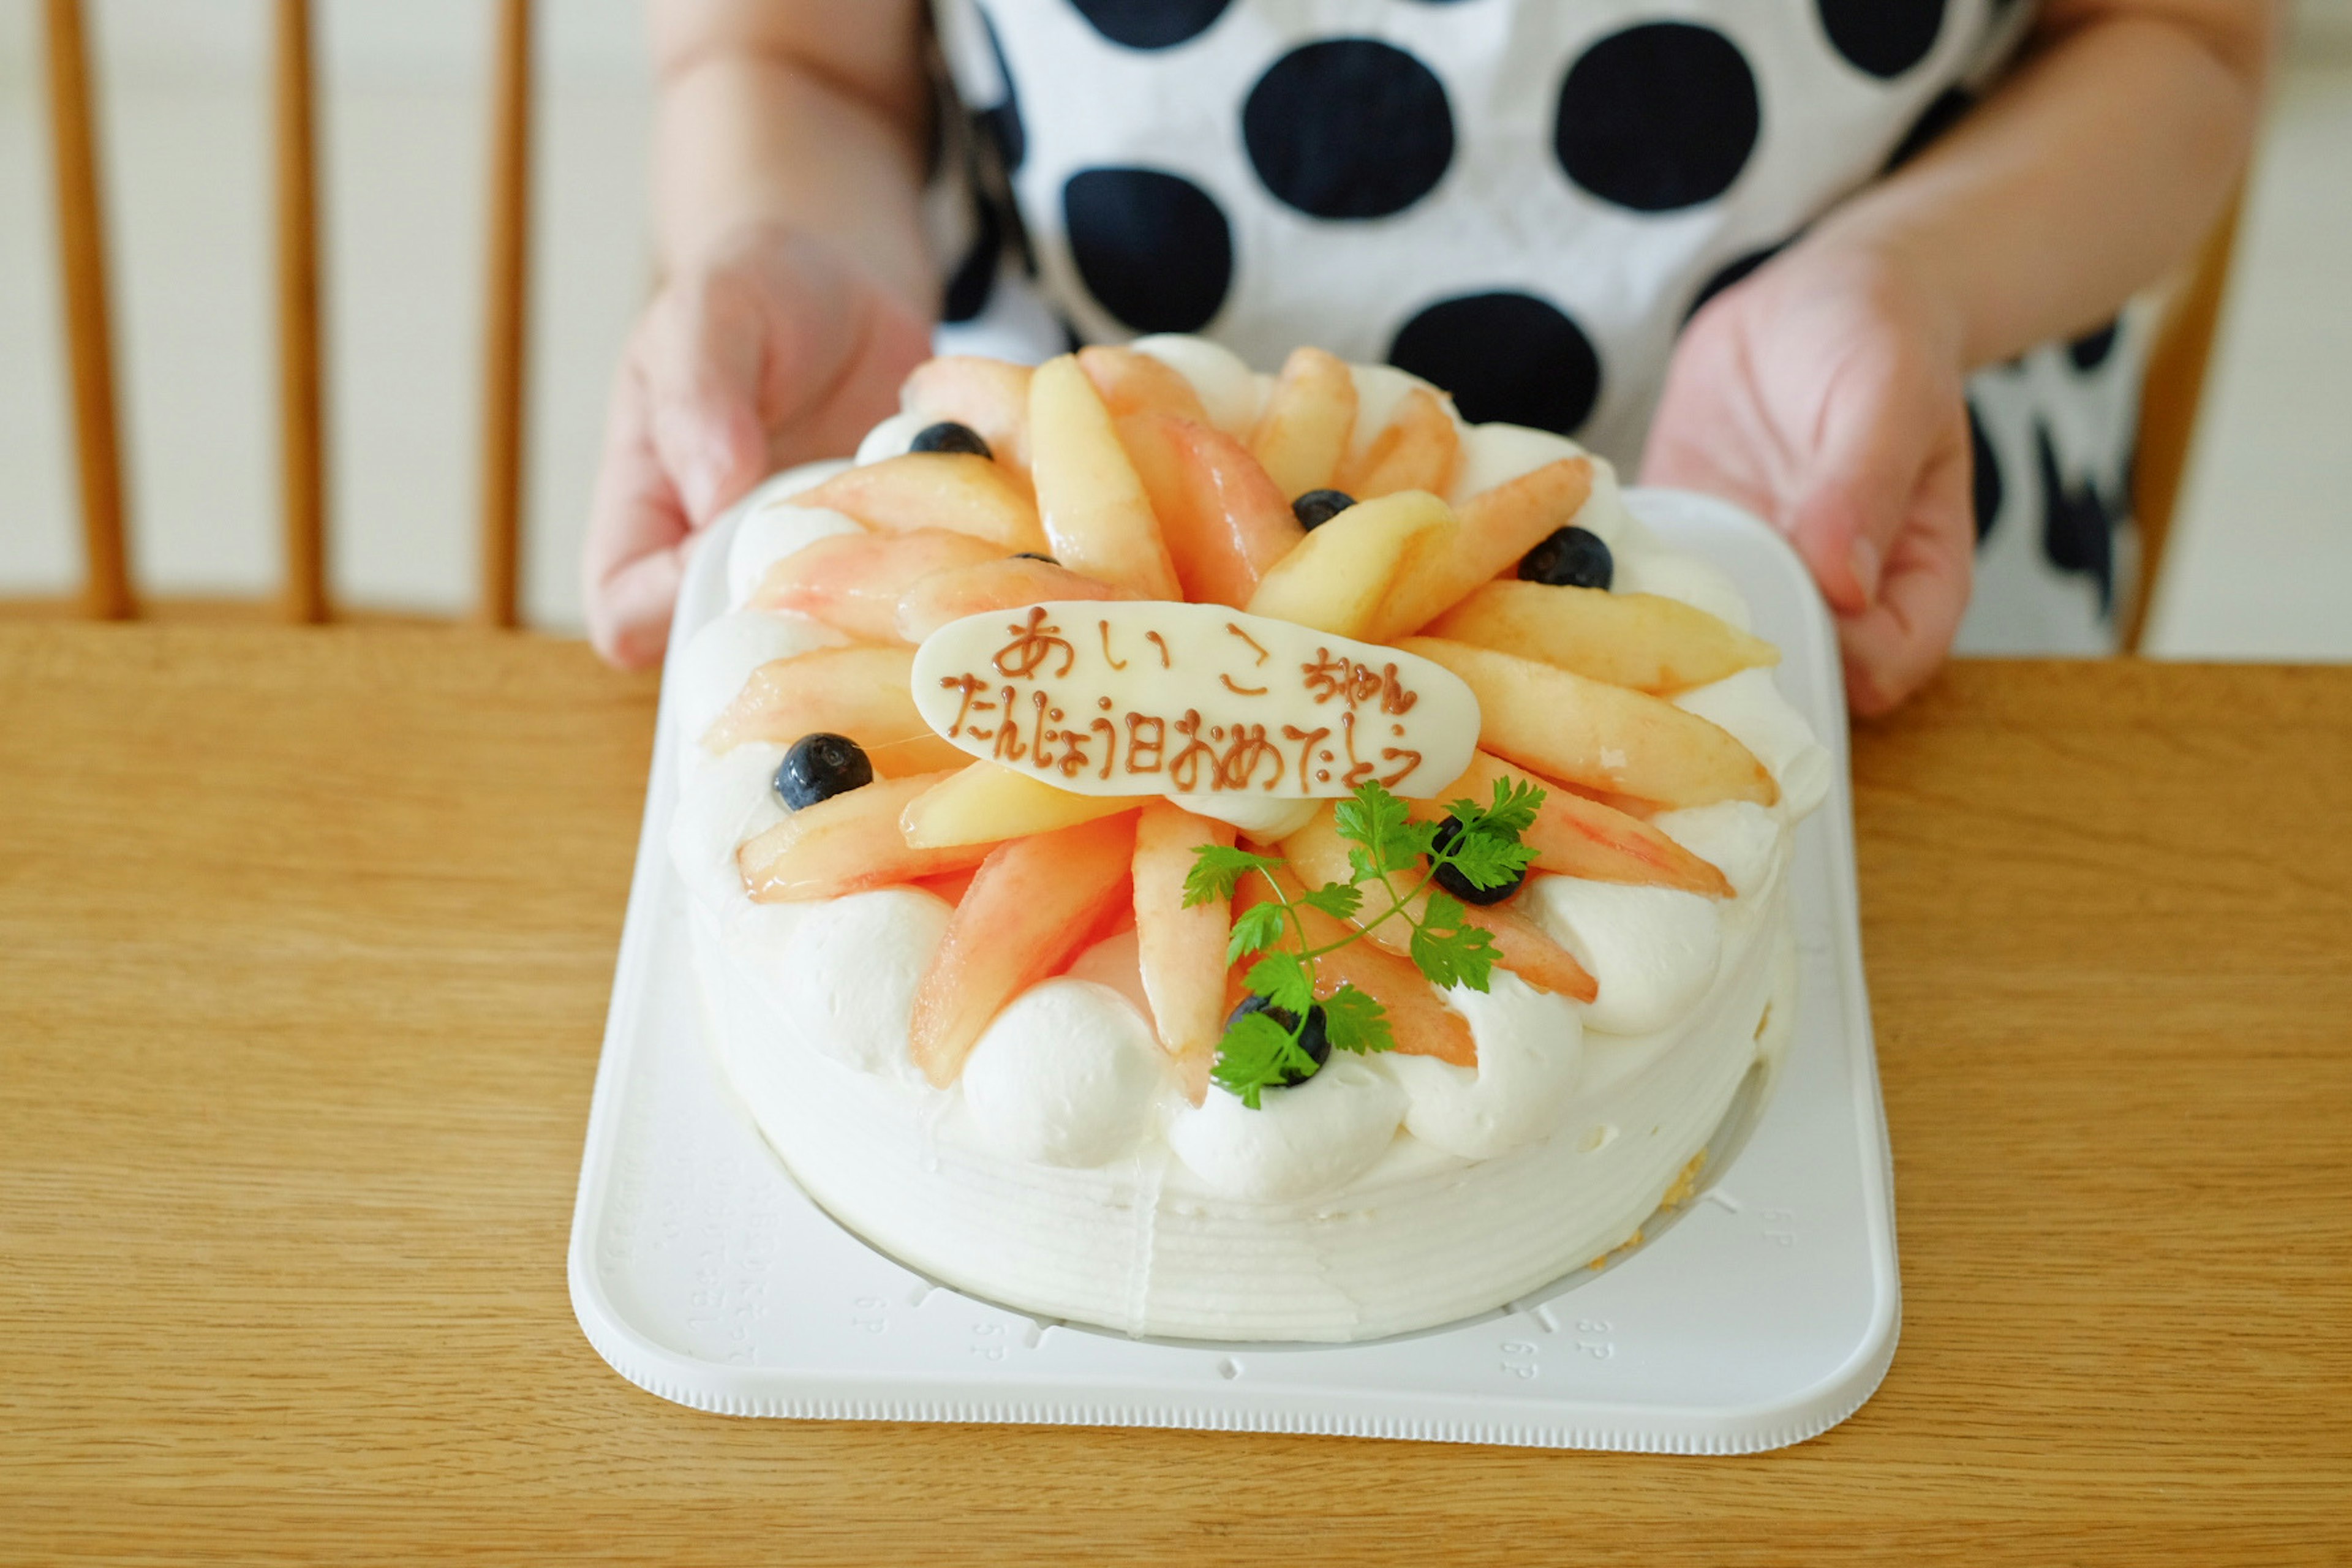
[{"x": 1801, "y": 259}]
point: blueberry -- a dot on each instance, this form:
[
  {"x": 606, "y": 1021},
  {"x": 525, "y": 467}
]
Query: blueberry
[
  {"x": 1460, "y": 886},
  {"x": 949, "y": 436},
  {"x": 1317, "y": 1042},
  {"x": 1570, "y": 558},
  {"x": 819, "y": 767},
  {"x": 1032, "y": 556},
  {"x": 1317, "y": 508}
]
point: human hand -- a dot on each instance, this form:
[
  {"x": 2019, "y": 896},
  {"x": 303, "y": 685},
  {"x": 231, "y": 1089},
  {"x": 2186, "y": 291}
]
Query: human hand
[
  {"x": 1824, "y": 393},
  {"x": 776, "y": 351}
]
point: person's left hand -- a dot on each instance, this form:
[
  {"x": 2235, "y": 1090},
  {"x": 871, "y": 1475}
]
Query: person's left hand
[{"x": 1824, "y": 393}]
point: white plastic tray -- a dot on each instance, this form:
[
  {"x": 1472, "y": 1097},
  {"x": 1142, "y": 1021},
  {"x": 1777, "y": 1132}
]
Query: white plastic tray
[{"x": 1765, "y": 1314}]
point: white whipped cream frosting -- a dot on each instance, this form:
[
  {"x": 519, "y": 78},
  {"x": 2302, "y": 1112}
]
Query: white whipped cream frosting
[{"x": 1069, "y": 1076}]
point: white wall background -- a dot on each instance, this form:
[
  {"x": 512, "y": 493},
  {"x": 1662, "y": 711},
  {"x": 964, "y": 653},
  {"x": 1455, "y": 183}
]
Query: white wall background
[{"x": 2262, "y": 566}]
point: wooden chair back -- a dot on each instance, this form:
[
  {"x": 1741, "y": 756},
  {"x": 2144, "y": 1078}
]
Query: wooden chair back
[{"x": 109, "y": 590}]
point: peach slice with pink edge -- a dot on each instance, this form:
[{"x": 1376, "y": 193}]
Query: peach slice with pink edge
[
  {"x": 1308, "y": 420},
  {"x": 1499, "y": 526},
  {"x": 987, "y": 396},
  {"x": 860, "y": 692},
  {"x": 1644, "y": 641},
  {"x": 1132, "y": 382},
  {"x": 1225, "y": 521},
  {"x": 1182, "y": 952},
  {"x": 853, "y": 581},
  {"x": 934, "y": 489},
  {"x": 930, "y": 603},
  {"x": 1418, "y": 1020},
  {"x": 1093, "y": 506},
  {"x": 1416, "y": 450},
  {"x": 1339, "y": 577},
  {"x": 845, "y": 844},
  {"x": 1033, "y": 906},
  {"x": 1320, "y": 855},
  {"x": 987, "y": 802},
  {"x": 1577, "y": 837},
  {"x": 1598, "y": 736}
]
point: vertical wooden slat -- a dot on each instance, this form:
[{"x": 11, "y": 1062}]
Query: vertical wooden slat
[
  {"x": 82, "y": 260},
  {"x": 300, "y": 392},
  {"x": 505, "y": 315},
  {"x": 2170, "y": 393}
]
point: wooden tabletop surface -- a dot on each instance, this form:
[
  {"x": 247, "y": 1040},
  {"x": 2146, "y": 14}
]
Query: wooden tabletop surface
[{"x": 305, "y": 944}]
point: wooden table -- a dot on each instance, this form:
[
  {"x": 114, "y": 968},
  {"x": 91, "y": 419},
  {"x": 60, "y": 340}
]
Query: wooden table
[{"x": 305, "y": 940}]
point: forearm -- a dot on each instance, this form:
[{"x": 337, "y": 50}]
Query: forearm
[
  {"x": 2097, "y": 165},
  {"x": 750, "y": 132}
]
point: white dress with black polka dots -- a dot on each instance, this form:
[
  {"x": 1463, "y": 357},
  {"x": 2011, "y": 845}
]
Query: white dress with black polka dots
[{"x": 1521, "y": 200}]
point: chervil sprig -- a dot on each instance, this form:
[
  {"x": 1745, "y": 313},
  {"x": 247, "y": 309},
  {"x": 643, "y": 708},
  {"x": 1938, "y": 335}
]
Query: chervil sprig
[{"x": 1393, "y": 860}]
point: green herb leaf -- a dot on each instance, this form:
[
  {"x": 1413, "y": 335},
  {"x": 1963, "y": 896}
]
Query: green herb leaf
[
  {"x": 1254, "y": 1056},
  {"x": 1217, "y": 870},
  {"x": 1488, "y": 859},
  {"x": 1285, "y": 980},
  {"x": 1448, "y": 949},
  {"x": 1340, "y": 901},
  {"x": 1255, "y": 929},
  {"x": 1353, "y": 1021}
]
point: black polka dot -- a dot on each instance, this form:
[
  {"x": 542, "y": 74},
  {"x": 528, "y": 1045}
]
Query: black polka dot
[
  {"x": 1348, "y": 127},
  {"x": 1884, "y": 38},
  {"x": 1003, "y": 121},
  {"x": 1984, "y": 475},
  {"x": 1658, "y": 117},
  {"x": 1733, "y": 271},
  {"x": 1151, "y": 24},
  {"x": 1504, "y": 356},
  {"x": 1151, "y": 246},
  {"x": 2090, "y": 350},
  {"x": 968, "y": 288},
  {"x": 1939, "y": 117},
  {"x": 2077, "y": 526}
]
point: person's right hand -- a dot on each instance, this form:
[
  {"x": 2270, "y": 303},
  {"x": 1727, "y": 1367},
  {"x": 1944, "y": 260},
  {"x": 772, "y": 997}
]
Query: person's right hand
[{"x": 778, "y": 350}]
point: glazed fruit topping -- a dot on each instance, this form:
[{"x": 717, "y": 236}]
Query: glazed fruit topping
[
  {"x": 1571, "y": 558},
  {"x": 1317, "y": 508},
  {"x": 819, "y": 767},
  {"x": 946, "y": 436},
  {"x": 1314, "y": 1041},
  {"x": 1450, "y": 877}
]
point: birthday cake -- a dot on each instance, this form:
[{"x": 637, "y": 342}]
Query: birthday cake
[{"x": 1226, "y": 856}]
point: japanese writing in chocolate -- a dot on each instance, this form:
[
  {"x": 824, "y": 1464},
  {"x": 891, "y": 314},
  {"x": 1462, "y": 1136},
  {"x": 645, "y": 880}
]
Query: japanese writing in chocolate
[{"x": 1157, "y": 697}]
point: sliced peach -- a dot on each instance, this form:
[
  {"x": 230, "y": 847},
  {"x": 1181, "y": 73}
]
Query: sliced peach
[
  {"x": 1339, "y": 577},
  {"x": 845, "y": 844},
  {"x": 987, "y": 802},
  {"x": 1499, "y": 526},
  {"x": 1417, "y": 450},
  {"x": 1181, "y": 951},
  {"x": 931, "y": 602},
  {"x": 988, "y": 396},
  {"x": 853, "y": 581},
  {"x": 1320, "y": 855},
  {"x": 1224, "y": 523},
  {"x": 1577, "y": 837},
  {"x": 1031, "y": 907},
  {"x": 861, "y": 692},
  {"x": 1310, "y": 420},
  {"x": 1598, "y": 736},
  {"x": 1132, "y": 383},
  {"x": 1093, "y": 505},
  {"x": 1645, "y": 641},
  {"x": 935, "y": 489}
]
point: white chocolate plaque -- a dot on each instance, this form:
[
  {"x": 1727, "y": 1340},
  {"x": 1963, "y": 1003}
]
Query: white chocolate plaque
[{"x": 1174, "y": 699}]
